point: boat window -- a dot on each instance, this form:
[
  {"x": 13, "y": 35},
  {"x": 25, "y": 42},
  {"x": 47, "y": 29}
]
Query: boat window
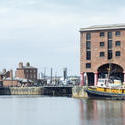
[{"x": 101, "y": 84}]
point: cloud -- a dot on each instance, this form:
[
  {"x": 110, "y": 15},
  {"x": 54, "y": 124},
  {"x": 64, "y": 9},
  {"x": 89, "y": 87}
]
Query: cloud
[{"x": 46, "y": 32}]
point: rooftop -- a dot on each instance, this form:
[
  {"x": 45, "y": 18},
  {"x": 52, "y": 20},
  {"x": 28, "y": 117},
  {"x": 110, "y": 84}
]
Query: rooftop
[
  {"x": 103, "y": 27},
  {"x": 27, "y": 67}
]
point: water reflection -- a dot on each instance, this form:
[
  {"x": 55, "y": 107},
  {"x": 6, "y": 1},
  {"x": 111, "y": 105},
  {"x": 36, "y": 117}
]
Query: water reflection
[
  {"x": 102, "y": 112},
  {"x": 40, "y": 110}
]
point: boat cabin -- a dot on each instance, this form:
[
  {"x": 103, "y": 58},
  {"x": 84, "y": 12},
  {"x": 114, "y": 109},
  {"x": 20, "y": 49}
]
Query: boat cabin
[{"x": 104, "y": 82}]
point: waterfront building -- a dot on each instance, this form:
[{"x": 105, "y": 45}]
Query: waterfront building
[
  {"x": 4, "y": 74},
  {"x": 10, "y": 81},
  {"x": 26, "y": 72},
  {"x": 6, "y": 78},
  {"x": 101, "y": 47}
]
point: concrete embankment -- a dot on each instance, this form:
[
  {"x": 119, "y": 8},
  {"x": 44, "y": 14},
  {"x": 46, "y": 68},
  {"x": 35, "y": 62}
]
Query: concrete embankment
[
  {"x": 79, "y": 92},
  {"x": 58, "y": 91},
  {"x": 47, "y": 90},
  {"x": 26, "y": 91},
  {"x": 21, "y": 91}
]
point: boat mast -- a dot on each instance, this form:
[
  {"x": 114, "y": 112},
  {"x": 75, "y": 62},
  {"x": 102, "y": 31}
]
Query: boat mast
[{"x": 109, "y": 69}]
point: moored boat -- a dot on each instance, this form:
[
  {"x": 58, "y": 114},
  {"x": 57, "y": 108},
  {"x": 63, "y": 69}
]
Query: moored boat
[
  {"x": 106, "y": 93},
  {"x": 109, "y": 87},
  {"x": 106, "y": 89}
]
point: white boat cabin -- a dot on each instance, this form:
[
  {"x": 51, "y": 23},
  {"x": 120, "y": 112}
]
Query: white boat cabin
[{"x": 108, "y": 83}]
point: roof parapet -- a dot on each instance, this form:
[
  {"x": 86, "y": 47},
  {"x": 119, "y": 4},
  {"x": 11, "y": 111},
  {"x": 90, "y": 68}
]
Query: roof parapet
[{"x": 103, "y": 27}]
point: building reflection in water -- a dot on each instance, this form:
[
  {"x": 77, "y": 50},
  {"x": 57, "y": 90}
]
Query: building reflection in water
[{"x": 102, "y": 112}]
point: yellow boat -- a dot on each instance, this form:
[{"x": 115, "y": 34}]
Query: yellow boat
[{"x": 106, "y": 89}]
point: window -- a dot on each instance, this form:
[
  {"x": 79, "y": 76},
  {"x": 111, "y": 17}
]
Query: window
[
  {"x": 117, "y": 43},
  {"x": 102, "y": 54},
  {"x": 88, "y": 36},
  {"x": 88, "y": 65},
  {"x": 88, "y": 45},
  {"x": 117, "y": 53},
  {"x": 109, "y": 54},
  {"x": 101, "y": 44},
  {"x": 109, "y": 44},
  {"x": 88, "y": 55},
  {"x": 27, "y": 75},
  {"x": 102, "y": 34},
  {"x": 34, "y": 76},
  {"x": 109, "y": 35},
  {"x": 117, "y": 33}
]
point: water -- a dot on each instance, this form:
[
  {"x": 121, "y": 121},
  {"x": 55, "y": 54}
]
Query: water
[{"x": 38, "y": 110}]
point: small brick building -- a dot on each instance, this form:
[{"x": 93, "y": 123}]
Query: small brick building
[
  {"x": 8, "y": 80},
  {"x": 11, "y": 83},
  {"x": 101, "y": 47},
  {"x": 26, "y": 72},
  {"x": 5, "y": 74}
]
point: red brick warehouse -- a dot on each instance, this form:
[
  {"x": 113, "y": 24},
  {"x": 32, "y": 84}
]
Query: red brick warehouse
[
  {"x": 26, "y": 72},
  {"x": 99, "y": 47}
]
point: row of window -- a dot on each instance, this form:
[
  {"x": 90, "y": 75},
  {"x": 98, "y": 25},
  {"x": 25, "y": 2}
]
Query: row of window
[
  {"x": 31, "y": 71},
  {"x": 117, "y": 43},
  {"x": 30, "y": 76},
  {"x": 102, "y": 54},
  {"x": 102, "y": 34},
  {"x": 117, "y": 33},
  {"x": 117, "y": 53}
]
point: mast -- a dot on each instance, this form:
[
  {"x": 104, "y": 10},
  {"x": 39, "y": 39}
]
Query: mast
[
  {"x": 109, "y": 69},
  {"x": 51, "y": 77}
]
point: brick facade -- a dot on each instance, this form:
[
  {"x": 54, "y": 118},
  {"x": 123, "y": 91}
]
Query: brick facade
[
  {"x": 11, "y": 83},
  {"x": 5, "y": 74},
  {"x": 96, "y": 61},
  {"x": 26, "y": 72}
]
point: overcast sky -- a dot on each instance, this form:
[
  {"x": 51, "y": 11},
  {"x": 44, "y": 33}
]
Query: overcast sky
[{"x": 46, "y": 32}]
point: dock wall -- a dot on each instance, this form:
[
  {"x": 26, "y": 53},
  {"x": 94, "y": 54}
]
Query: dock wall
[
  {"x": 49, "y": 91},
  {"x": 22, "y": 91},
  {"x": 79, "y": 92},
  {"x": 58, "y": 91},
  {"x": 26, "y": 91}
]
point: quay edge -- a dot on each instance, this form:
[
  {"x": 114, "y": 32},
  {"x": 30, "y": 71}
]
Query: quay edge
[
  {"x": 79, "y": 92},
  {"x": 43, "y": 90},
  {"x": 21, "y": 91}
]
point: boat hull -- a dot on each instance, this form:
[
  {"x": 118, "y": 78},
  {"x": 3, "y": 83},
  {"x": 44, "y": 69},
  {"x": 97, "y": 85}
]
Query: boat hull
[{"x": 105, "y": 95}]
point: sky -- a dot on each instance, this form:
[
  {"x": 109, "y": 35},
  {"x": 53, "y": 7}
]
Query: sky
[{"x": 46, "y": 32}]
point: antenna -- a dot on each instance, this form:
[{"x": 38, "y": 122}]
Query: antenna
[
  {"x": 44, "y": 72},
  {"x": 51, "y": 77}
]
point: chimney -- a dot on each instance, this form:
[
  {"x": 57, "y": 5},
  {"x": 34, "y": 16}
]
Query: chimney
[
  {"x": 4, "y": 70},
  {"x": 21, "y": 65},
  {"x": 11, "y": 74},
  {"x": 65, "y": 73},
  {"x": 27, "y": 64}
]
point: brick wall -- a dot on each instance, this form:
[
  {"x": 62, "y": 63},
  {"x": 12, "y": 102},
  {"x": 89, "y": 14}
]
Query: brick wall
[
  {"x": 96, "y": 61},
  {"x": 8, "y": 83}
]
